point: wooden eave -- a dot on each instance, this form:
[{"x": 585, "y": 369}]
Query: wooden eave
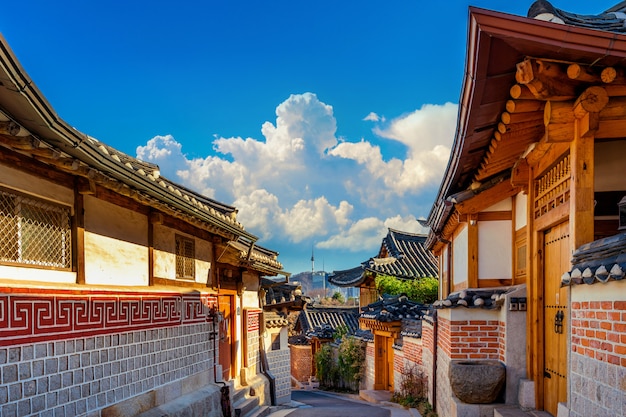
[
  {"x": 51, "y": 140},
  {"x": 497, "y": 42},
  {"x": 375, "y": 325}
]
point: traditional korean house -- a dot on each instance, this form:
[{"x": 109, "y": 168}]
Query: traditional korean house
[
  {"x": 121, "y": 291},
  {"x": 314, "y": 327},
  {"x": 534, "y": 177},
  {"x": 401, "y": 255},
  {"x": 395, "y": 345}
]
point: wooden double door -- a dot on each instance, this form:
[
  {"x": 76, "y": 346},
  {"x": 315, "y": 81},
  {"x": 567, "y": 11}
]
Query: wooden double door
[{"x": 557, "y": 258}]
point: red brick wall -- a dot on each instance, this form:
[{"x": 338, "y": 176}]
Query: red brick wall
[
  {"x": 472, "y": 339},
  {"x": 398, "y": 362},
  {"x": 599, "y": 330},
  {"x": 412, "y": 350},
  {"x": 301, "y": 362},
  {"x": 428, "y": 341}
]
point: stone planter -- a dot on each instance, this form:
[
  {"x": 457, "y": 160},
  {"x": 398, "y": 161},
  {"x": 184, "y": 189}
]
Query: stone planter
[{"x": 477, "y": 382}]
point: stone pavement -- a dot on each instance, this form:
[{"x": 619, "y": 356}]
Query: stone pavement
[{"x": 372, "y": 398}]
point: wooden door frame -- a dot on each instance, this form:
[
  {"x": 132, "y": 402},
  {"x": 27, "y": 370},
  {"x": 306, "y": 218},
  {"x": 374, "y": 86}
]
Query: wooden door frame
[{"x": 231, "y": 325}]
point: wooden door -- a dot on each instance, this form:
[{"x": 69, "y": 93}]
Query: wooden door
[
  {"x": 389, "y": 364},
  {"x": 226, "y": 336},
  {"x": 556, "y": 316},
  {"x": 383, "y": 363}
]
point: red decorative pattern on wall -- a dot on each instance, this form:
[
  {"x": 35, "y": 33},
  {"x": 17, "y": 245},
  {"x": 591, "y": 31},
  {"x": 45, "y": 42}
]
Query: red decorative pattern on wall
[
  {"x": 599, "y": 330},
  {"x": 27, "y": 316},
  {"x": 253, "y": 318}
]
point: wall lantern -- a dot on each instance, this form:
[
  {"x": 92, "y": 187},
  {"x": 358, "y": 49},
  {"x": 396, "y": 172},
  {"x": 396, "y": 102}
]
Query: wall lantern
[{"x": 622, "y": 213}]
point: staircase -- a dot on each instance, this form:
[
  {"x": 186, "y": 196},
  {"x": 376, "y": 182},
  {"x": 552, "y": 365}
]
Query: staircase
[{"x": 247, "y": 404}]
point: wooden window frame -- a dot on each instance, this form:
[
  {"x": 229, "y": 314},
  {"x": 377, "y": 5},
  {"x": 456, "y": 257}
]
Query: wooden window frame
[{"x": 185, "y": 258}]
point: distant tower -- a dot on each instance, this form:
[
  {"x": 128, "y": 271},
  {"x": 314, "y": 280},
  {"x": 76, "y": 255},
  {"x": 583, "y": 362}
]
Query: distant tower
[{"x": 312, "y": 260}]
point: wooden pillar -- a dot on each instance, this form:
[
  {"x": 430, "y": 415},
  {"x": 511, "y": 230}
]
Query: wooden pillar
[
  {"x": 586, "y": 110},
  {"x": 472, "y": 251}
]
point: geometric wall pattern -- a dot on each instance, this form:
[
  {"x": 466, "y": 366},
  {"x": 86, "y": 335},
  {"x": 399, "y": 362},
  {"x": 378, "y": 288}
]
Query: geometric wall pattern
[{"x": 35, "y": 315}]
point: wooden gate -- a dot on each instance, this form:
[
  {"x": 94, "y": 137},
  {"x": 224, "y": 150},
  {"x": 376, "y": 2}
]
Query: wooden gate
[
  {"x": 383, "y": 366},
  {"x": 556, "y": 313},
  {"x": 226, "y": 336}
]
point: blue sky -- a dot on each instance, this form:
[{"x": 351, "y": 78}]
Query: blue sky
[{"x": 324, "y": 122}]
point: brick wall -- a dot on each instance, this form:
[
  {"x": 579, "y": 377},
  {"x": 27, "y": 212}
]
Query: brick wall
[
  {"x": 472, "y": 339},
  {"x": 66, "y": 353},
  {"x": 368, "y": 380},
  {"x": 598, "y": 358},
  {"x": 300, "y": 359},
  {"x": 80, "y": 376},
  {"x": 279, "y": 361}
]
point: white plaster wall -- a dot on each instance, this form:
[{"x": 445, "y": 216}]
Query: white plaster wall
[
  {"x": 251, "y": 294},
  {"x": 459, "y": 257},
  {"x": 521, "y": 208},
  {"x": 610, "y": 291},
  {"x": 609, "y": 164},
  {"x": 33, "y": 274},
  {"x": 116, "y": 244},
  {"x": 494, "y": 249},
  {"x": 164, "y": 242},
  {"x": 504, "y": 205},
  {"x": 23, "y": 182}
]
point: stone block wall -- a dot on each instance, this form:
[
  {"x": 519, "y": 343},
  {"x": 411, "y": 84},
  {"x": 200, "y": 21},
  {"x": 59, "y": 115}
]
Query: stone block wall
[
  {"x": 64, "y": 354},
  {"x": 369, "y": 378},
  {"x": 279, "y": 363},
  {"x": 598, "y": 356},
  {"x": 300, "y": 359}
]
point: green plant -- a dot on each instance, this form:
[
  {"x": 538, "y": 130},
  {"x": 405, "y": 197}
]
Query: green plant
[
  {"x": 351, "y": 360},
  {"x": 413, "y": 391},
  {"x": 421, "y": 290},
  {"x": 326, "y": 371}
]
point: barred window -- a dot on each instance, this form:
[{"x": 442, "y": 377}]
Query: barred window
[
  {"x": 185, "y": 257},
  {"x": 34, "y": 231}
]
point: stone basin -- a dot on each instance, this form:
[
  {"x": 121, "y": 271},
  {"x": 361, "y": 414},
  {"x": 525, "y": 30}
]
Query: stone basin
[{"x": 477, "y": 382}]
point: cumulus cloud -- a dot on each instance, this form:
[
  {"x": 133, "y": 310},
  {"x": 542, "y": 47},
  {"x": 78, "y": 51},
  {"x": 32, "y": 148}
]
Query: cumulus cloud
[
  {"x": 299, "y": 183},
  {"x": 427, "y": 134}
]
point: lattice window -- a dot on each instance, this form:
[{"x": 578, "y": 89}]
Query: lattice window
[
  {"x": 185, "y": 257},
  {"x": 34, "y": 231},
  {"x": 553, "y": 188}
]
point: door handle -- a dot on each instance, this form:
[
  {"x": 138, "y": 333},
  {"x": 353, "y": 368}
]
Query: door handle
[{"x": 558, "y": 322}]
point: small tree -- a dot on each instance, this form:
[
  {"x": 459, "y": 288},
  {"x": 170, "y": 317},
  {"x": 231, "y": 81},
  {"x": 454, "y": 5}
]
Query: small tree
[{"x": 338, "y": 297}]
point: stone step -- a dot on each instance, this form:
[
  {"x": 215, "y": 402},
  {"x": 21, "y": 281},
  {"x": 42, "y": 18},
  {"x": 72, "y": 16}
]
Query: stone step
[
  {"x": 245, "y": 406},
  {"x": 261, "y": 411},
  {"x": 511, "y": 411}
]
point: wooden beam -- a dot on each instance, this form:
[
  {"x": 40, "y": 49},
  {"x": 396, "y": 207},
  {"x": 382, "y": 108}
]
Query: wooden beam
[
  {"x": 545, "y": 79},
  {"x": 582, "y": 73},
  {"x": 523, "y": 106},
  {"x": 9, "y": 128},
  {"x": 486, "y": 198},
  {"x": 520, "y": 175},
  {"x": 581, "y": 191}
]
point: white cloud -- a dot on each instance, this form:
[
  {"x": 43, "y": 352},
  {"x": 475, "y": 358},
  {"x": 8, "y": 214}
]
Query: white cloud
[
  {"x": 299, "y": 183},
  {"x": 372, "y": 117},
  {"x": 427, "y": 134}
]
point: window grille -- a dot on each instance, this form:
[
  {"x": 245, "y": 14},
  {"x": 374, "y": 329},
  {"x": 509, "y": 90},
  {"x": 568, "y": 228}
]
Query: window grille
[
  {"x": 185, "y": 257},
  {"x": 34, "y": 231}
]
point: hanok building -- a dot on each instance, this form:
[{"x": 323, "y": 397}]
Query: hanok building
[
  {"x": 401, "y": 255},
  {"x": 535, "y": 176},
  {"x": 120, "y": 290}
]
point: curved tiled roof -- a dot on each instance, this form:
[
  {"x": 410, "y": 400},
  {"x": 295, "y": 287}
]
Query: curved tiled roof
[
  {"x": 402, "y": 255},
  {"x": 489, "y": 299},
  {"x": 599, "y": 261},
  {"x": 613, "y": 20},
  {"x": 323, "y": 321},
  {"x": 394, "y": 308}
]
